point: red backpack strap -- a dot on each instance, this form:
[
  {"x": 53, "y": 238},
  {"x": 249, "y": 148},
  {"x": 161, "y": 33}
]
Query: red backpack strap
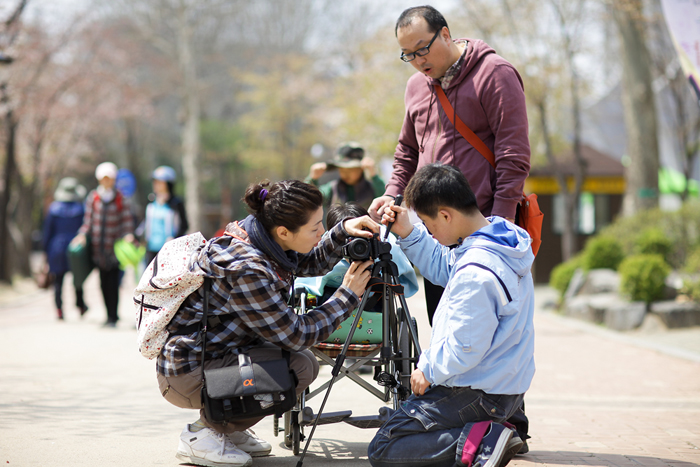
[{"x": 462, "y": 127}]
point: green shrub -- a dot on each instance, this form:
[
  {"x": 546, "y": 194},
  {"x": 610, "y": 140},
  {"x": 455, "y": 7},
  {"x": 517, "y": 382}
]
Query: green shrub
[
  {"x": 602, "y": 251},
  {"x": 691, "y": 288},
  {"x": 653, "y": 241},
  {"x": 562, "y": 273},
  {"x": 642, "y": 277},
  {"x": 692, "y": 262}
]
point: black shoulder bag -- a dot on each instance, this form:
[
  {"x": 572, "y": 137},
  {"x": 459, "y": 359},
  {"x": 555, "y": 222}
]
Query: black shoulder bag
[{"x": 247, "y": 389}]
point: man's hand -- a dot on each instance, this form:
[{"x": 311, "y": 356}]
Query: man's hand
[
  {"x": 419, "y": 383},
  {"x": 376, "y": 209},
  {"x": 361, "y": 227},
  {"x": 399, "y": 216},
  {"x": 369, "y": 167},
  {"x": 317, "y": 170}
]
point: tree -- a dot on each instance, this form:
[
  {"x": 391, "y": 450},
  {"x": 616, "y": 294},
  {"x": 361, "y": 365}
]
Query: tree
[
  {"x": 642, "y": 174},
  {"x": 184, "y": 31},
  {"x": 544, "y": 42},
  {"x": 9, "y": 33},
  {"x": 677, "y": 100}
]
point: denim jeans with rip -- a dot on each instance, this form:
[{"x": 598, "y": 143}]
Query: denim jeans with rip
[{"x": 428, "y": 430}]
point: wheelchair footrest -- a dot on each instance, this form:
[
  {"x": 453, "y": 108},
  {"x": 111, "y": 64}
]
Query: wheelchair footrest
[
  {"x": 367, "y": 421},
  {"x": 371, "y": 421},
  {"x": 308, "y": 417}
]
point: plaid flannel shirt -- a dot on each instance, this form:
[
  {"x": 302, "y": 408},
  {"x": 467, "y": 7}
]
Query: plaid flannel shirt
[
  {"x": 249, "y": 303},
  {"x": 106, "y": 223}
]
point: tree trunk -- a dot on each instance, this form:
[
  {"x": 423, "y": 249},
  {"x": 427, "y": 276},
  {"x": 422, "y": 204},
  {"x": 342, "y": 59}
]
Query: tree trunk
[
  {"x": 190, "y": 132},
  {"x": 6, "y": 269},
  {"x": 642, "y": 174}
]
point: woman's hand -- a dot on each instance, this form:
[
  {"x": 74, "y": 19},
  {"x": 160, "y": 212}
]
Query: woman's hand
[
  {"x": 399, "y": 217},
  {"x": 361, "y": 227},
  {"x": 357, "y": 277},
  {"x": 79, "y": 240}
]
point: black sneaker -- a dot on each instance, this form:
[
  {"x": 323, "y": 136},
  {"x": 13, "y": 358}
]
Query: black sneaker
[
  {"x": 524, "y": 449},
  {"x": 493, "y": 446},
  {"x": 512, "y": 448}
]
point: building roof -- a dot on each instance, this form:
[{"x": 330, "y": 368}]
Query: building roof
[{"x": 598, "y": 164}]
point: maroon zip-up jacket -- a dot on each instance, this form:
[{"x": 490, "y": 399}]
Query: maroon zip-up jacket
[{"x": 488, "y": 96}]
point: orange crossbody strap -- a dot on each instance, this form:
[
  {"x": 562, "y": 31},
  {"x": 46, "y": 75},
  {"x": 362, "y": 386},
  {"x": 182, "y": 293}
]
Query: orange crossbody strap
[{"x": 463, "y": 129}]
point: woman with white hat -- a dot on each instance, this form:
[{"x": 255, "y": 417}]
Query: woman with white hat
[
  {"x": 107, "y": 219},
  {"x": 63, "y": 219}
]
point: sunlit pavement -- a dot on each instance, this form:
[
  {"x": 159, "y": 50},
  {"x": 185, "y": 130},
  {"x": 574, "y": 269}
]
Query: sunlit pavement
[{"x": 75, "y": 394}]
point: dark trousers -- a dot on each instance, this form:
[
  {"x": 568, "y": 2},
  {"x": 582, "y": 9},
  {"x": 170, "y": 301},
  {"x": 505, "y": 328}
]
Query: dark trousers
[
  {"x": 109, "y": 282},
  {"x": 429, "y": 430},
  {"x": 58, "y": 293},
  {"x": 433, "y": 293}
]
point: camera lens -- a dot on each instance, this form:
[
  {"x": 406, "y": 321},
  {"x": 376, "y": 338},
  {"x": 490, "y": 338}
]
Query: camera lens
[{"x": 358, "y": 249}]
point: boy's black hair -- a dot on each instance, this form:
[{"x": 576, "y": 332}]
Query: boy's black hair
[
  {"x": 431, "y": 16},
  {"x": 438, "y": 185},
  {"x": 338, "y": 212}
]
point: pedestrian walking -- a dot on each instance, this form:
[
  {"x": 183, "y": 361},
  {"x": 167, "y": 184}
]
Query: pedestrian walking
[
  {"x": 62, "y": 222},
  {"x": 165, "y": 215},
  {"x": 107, "y": 219}
]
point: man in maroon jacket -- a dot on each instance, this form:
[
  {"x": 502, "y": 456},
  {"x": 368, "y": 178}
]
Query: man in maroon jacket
[{"x": 486, "y": 93}]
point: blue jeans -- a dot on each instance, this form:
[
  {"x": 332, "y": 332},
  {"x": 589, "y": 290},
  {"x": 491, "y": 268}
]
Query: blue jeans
[{"x": 428, "y": 430}]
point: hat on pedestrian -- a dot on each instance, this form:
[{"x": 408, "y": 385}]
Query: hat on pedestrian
[
  {"x": 106, "y": 169},
  {"x": 69, "y": 190},
  {"x": 348, "y": 155},
  {"x": 165, "y": 174}
]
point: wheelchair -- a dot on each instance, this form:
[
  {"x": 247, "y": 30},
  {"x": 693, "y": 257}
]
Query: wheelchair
[{"x": 392, "y": 356}]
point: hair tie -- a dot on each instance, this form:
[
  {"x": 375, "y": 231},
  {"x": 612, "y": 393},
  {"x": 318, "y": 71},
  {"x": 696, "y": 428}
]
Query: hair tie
[{"x": 263, "y": 194}]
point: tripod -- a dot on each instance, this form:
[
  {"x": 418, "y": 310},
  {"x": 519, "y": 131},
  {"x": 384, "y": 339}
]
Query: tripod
[{"x": 399, "y": 333}]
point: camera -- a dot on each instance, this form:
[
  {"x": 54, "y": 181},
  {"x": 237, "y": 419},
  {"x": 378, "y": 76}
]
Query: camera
[{"x": 362, "y": 249}]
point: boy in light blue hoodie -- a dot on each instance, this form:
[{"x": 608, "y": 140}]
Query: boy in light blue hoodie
[{"x": 481, "y": 356}]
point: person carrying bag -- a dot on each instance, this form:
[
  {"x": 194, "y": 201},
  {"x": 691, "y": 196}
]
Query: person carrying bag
[
  {"x": 235, "y": 349},
  {"x": 245, "y": 389}
]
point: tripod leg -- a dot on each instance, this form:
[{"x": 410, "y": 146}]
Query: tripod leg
[{"x": 334, "y": 373}]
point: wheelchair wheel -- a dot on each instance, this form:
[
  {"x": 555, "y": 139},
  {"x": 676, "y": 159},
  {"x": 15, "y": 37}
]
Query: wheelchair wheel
[
  {"x": 292, "y": 431},
  {"x": 408, "y": 350}
]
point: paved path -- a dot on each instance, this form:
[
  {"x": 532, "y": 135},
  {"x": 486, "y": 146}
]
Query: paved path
[{"x": 74, "y": 394}]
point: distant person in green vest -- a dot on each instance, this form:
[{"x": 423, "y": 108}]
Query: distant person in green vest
[{"x": 358, "y": 181}]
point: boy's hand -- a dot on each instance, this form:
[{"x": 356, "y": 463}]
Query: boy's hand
[
  {"x": 357, "y": 276},
  {"x": 361, "y": 227},
  {"x": 399, "y": 216},
  {"x": 419, "y": 383}
]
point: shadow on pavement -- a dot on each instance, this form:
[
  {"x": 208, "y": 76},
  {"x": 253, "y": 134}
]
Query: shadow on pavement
[{"x": 592, "y": 458}]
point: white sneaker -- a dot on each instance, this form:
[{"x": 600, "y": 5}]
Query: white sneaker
[
  {"x": 248, "y": 442},
  {"x": 211, "y": 449}
]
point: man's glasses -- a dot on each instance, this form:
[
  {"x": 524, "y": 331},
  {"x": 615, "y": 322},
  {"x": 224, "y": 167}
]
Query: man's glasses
[{"x": 422, "y": 52}]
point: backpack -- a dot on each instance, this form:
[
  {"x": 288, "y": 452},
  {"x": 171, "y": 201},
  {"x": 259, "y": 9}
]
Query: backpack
[
  {"x": 528, "y": 215},
  {"x": 165, "y": 284}
]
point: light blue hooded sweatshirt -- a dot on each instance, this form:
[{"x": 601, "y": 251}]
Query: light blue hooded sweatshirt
[{"x": 482, "y": 336}]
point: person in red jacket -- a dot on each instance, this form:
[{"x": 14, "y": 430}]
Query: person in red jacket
[
  {"x": 486, "y": 93},
  {"x": 107, "y": 219}
]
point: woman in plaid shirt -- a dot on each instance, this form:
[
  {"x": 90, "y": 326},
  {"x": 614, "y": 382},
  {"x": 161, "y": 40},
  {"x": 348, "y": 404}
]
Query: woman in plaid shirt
[{"x": 253, "y": 267}]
